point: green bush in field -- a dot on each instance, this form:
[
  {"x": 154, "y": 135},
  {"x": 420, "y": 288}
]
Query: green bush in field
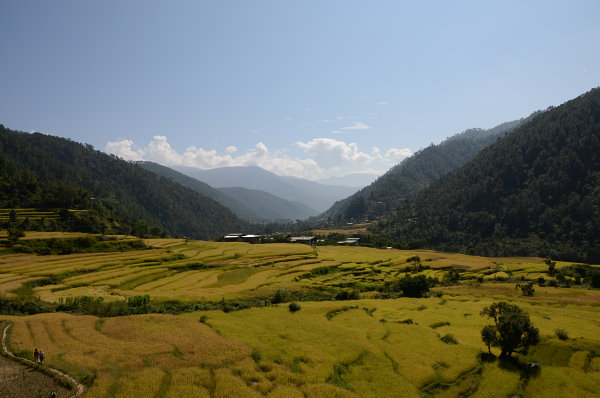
[
  {"x": 562, "y": 334},
  {"x": 281, "y": 296},
  {"x": 449, "y": 339},
  {"x": 294, "y": 307}
]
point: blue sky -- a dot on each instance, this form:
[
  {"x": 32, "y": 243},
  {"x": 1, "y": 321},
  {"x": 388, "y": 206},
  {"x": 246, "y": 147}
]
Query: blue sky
[{"x": 307, "y": 88}]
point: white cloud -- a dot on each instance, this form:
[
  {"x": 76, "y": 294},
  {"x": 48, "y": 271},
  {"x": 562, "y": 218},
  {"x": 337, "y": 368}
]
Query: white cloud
[
  {"x": 160, "y": 151},
  {"x": 396, "y": 155},
  {"x": 356, "y": 126},
  {"x": 382, "y": 103},
  {"x": 336, "y": 131},
  {"x": 124, "y": 149},
  {"x": 330, "y": 153},
  {"x": 324, "y": 156}
]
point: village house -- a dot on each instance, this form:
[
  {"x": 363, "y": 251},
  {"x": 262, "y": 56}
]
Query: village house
[{"x": 307, "y": 240}]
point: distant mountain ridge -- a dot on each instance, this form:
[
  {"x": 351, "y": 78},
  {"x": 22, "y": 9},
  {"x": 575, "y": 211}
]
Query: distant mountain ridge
[
  {"x": 268, "y": 206},
  {"x": 311, "y": 194},
  {"x": 402, "y": 182},
  {"x": 250, "y": 205},
  {"x": 358, "y": 180}
]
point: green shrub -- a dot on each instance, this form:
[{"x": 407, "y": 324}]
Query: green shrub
[
  {"x": 294, "y": 307},
  {"x": 562, "y": 334},
  {"x": 449, "y": 339},
  {"x": 281, "y": 296},
  {"x": 256, "y": 355}
]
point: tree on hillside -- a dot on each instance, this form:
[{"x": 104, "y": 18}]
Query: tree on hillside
[
  {"x": 526, "y": 289},
  {"x": 14, "y": 231},
  {"x": 512, "y": 330},
  {"x": 413, "y": 286}
]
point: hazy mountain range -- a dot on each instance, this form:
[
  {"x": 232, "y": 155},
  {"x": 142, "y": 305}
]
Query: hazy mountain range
[{"x": 311, "y": 194}]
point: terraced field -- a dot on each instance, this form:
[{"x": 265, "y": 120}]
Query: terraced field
[
  {"x": 369, "y": 347},
  {"x": 196, "y": 270}
]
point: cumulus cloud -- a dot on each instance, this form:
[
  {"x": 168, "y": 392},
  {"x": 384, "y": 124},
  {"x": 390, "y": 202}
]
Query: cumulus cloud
[
  {"x": 160, "y": 151},
  {"x": 124, "y": 149},
  {"x": 356, "y": 126},
  {"x": 396, "y": 155},
  {"x": 323, "y": 156},
  {"x": 330, "y": 153}
]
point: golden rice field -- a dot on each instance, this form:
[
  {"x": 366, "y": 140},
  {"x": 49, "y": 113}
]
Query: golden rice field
[
  {"x": 196, "y": 270},
  {"x": 368, "y": 348},
  {"x": 361, "y": 348}
]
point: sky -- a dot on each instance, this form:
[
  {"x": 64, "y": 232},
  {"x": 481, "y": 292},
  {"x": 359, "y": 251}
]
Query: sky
[{"x": 312, "y": 89}]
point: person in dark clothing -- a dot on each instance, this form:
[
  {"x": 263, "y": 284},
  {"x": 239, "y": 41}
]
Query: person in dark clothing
[{"x": 36, "y": 356}]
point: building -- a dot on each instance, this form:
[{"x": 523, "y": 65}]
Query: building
[
  {"x": 232, "y": 237},
  {"x": 350, "y": 241},
  {"x": 251, "y": 238},
  {"x": 307, "y": 240}
]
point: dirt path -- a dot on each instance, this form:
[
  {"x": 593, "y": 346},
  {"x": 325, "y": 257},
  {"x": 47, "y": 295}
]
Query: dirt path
[{"x": 80, "y": 387}]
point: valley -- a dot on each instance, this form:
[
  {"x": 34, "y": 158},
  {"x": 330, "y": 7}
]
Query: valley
[{"x": 231, "y": 331}]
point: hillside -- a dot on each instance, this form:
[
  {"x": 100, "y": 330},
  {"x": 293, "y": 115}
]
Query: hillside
[
  {"x": 240, "y": 209},
  {"x": 269, "y": 207},
  {"x": 314, "y": 195},
  {"x": 534, "y": 192},
  {"x": 248, "y": 204},
  {"x": 402, "y": 182},
  {"x": 39, "y": 170}
]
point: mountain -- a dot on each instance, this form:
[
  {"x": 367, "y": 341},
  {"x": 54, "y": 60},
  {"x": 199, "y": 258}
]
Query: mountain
[
  {"x": 402, "y": 182},
  {"x": 534, "y": 192},
  {"x": 269, "y": 207},
  {"x": 248, "y": 204},
  {"x": 311, "y": 194},
  {"x": 239, "y": 208},
  {"x": 358, "y": 180},
  {"x": 33, "y": 166}
]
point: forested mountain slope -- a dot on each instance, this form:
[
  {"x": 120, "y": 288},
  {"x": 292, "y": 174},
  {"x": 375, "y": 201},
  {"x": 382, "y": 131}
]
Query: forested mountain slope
[
  {"x": 312, "y": 194},
  {"x": 236, "y": 206},
  {"x": 38, "y": 170},
  {"x": 269, "y": 207},
  {"x": 248, "y": 204},
  {"x": 402, "y": 182},
  {"x": 534, "y": 192}
]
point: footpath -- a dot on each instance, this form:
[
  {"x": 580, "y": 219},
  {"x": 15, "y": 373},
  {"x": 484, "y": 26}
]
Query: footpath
[{"x": 80, "y": 388}]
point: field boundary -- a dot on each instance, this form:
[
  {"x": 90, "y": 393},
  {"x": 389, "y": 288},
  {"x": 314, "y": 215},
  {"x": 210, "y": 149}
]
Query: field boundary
[{"x": 80, "y": 387}]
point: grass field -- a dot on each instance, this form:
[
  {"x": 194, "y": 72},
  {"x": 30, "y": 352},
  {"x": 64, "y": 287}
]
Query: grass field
[{"x": 368, "y": 347}]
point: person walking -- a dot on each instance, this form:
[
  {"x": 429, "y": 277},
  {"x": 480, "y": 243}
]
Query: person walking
[
  {"x": 36, "y": 356},
  {"x": 42, "y": 355}
]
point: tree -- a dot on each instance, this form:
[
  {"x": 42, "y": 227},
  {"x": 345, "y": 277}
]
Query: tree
[
  {"x": 488, "y": 335},
  {"x": 14, "y": 230},
  {"x": 413, "y": 286},
  {"x": 14, "y": 233},
  {"x": 526, "y": 289},
  {"x": 514, "y": 331},
  {"x": 551, "y": 266}
]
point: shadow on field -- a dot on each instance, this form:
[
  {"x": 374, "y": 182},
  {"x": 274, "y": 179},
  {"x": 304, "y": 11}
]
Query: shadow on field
[{"x": 525, "y": 369}]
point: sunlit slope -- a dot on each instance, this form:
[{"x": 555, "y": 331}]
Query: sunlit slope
[
  {"x": 198, "y": 270},
  {"x": 362, "y": 348}
]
